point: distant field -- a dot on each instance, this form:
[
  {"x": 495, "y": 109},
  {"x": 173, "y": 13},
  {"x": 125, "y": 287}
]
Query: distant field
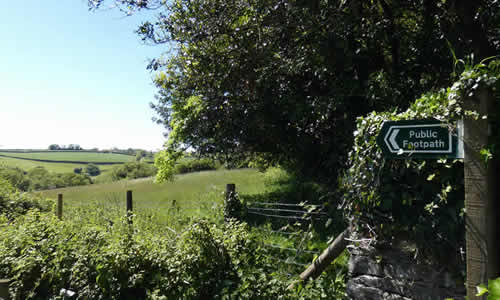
[
  {"x": 95, "y": 157},
  {"x": 53, "y": 167},
  {"x": 189, "y": 190}
]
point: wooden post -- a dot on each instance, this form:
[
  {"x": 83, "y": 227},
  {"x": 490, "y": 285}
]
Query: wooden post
[
  {"x": 4, "y": 289},
  {"x": 327, "y": 256},
  {"x": 230, "y": 206},
  {"x": 129, "y": 206},
  {"x": 59, "y": 206},
  {"x": 481, "y": 212},
  {"x": 175, "y": 206},
  {"x": 230, "y": 189}
]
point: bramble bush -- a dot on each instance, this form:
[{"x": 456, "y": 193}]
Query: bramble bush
[
  {"x": 99, "y": 255},
  {"x": 14, "y": 203}
]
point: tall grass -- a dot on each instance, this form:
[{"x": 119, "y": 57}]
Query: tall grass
[{"x": 192, "y": 192}]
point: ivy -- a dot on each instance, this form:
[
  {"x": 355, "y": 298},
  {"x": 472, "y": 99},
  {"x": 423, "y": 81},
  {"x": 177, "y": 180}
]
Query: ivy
[{"x": 417, "y": 200}]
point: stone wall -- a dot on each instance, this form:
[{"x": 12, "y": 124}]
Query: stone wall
[{"x": 385, "y": 273}]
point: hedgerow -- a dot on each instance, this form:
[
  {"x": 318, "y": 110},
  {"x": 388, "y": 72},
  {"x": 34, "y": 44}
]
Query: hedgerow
[
  {"x": 412, "y": 199},
  {"x": 195, "y": 165},
  {"x": 132, "y": 170},
  {"x": 44, "y": 256},
  {"x": 39, "y": 178},
  {"x": 14, "y": 202}
]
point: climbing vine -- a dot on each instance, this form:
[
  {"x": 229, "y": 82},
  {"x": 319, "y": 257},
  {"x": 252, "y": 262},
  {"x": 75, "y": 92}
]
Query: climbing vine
[{"x": 412, "y": 199}]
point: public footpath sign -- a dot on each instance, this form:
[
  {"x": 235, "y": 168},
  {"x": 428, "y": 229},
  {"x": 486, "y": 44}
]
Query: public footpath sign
[{"x": 419, "y": 139}]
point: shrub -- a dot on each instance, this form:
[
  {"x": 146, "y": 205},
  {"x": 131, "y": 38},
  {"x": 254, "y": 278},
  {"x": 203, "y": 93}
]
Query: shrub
[
  {"x": 206, "y": 261},
  {"x": 195, "y": 165},
  {"x": 14, "y": 203},
  {"x": 133, "y": 170},
  {"x": 71, "y": 179},
  {"x": 40, "y": 179},
  {"x": 92, "y": 170},
  {"x": 16, "y": 177}
]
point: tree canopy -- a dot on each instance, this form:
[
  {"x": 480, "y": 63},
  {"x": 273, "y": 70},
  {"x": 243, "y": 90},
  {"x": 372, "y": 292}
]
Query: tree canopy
[{"x": 283, "y": 81}]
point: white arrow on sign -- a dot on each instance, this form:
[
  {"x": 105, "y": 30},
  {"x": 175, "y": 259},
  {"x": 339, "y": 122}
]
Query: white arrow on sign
[
  {"x": 392, "y": 139},
  {"x": 394, "y": 130}
]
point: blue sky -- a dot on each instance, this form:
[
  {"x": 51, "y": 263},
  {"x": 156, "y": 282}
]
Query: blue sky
[{"x": 70, "y": 76}]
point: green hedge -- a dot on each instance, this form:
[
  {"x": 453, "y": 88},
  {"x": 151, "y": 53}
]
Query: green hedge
[
  {"x": 195, "y": 165},
  {"x": 14, "y": 203},
  {"x": 39, "y": 178},
  {"x": 132, "y": 170},
  {"x": 42, "y": 255}
]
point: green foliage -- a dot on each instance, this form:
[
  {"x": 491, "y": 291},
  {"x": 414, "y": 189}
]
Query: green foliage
[
  {"x": 43, "y": 255},
  {"x": 139, "y": 155},
  {"x": 14, "y": 203},
  {"x": 283, "y": 187},
  {"x": 285, "y": 80},
  {"x": 16, "y": 177},
  {"x": 493, "y": 289},
  {"x": 40, "y": 179},
  {"x": 167, "y": 254},
  {"x": 92, "y": 170},
  {"x": 166, "y": 161},
  {"x": 195, "y": 165},
  {"x": 132, "y": 170},
  {"x": 414, "y": 199}
]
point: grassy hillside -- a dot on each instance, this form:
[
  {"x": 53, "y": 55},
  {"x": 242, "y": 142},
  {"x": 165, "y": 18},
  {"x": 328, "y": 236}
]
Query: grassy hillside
[
  {"x": 189, "y": 190},
  {"x": 94, "y": 157}
]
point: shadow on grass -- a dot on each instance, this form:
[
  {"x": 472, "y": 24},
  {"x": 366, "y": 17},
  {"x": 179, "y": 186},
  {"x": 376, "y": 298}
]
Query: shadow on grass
[{"x": 292, "y": 204}]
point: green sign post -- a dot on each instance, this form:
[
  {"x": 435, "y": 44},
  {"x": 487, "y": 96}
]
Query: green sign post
[{"x": 418, "y": 139}]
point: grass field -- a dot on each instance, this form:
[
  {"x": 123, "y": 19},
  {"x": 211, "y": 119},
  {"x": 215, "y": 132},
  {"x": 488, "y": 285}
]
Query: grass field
[
  {"x": 95, "y": 157},
  {"x": 189, "y": 190},
  {"x": 53, "y": 167}
]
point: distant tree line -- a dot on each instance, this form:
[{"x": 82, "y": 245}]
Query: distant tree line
[
  {"x": 65, "y": 147},
  {"x": 138, "y": 153}
]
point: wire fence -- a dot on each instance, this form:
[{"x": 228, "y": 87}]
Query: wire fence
[
  {"x": 286, "y": 228},
  {"x": 290, "y": 224}
]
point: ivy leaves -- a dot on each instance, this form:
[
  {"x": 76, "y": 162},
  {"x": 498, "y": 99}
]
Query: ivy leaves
[{"x": 421, "y": 198}]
